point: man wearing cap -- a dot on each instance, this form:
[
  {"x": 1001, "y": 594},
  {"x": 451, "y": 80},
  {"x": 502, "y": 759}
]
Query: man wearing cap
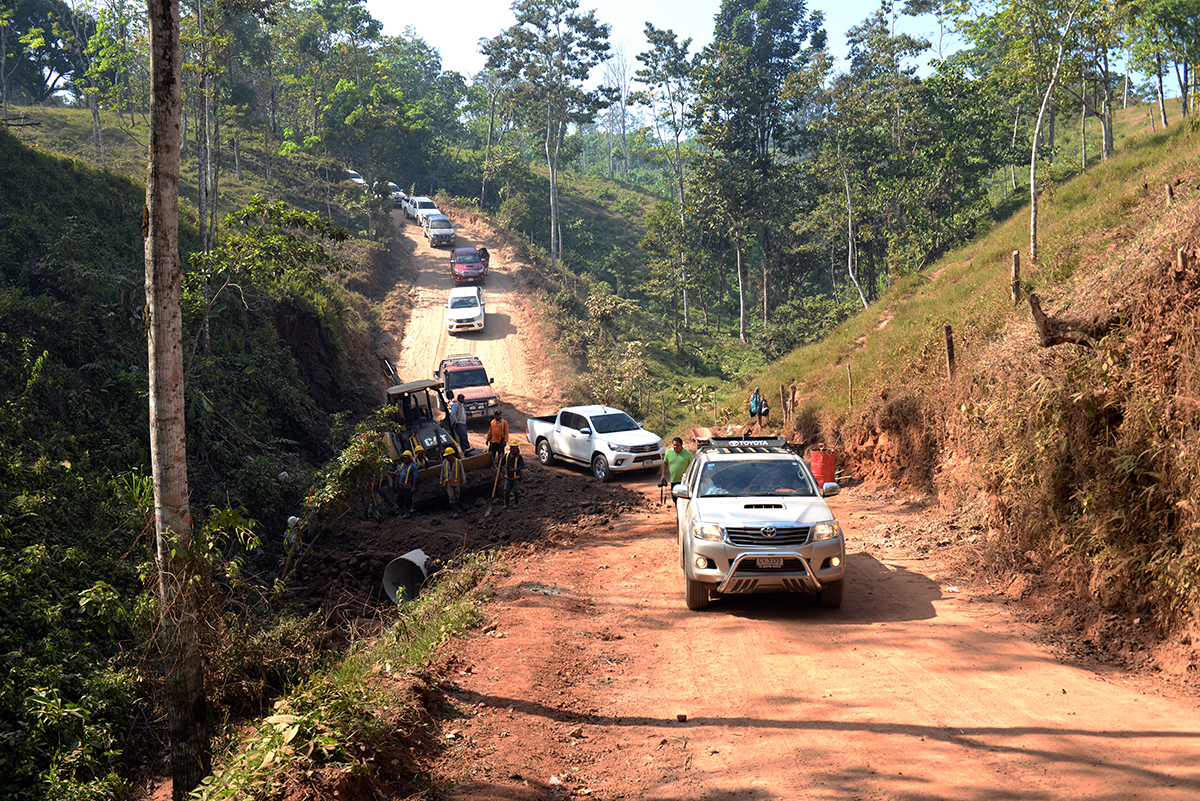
[
  {"x": 497, "y": 436},
  {"x": 453, "y": 476},
  {"x": 512, "y": 465},
  {"x": 458, "y": 419},
  {"x": 405, "y": 483}
]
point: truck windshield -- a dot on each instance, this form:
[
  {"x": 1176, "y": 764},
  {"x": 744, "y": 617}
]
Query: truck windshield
[
  {"x": 426, "y": 204},
  {"x": 611, "y": 423},
  {"x": 464, "y": 302},
  {"x": 467, "y": 258},
  {"x": 440, "y": 224},
  {"x": 757, "y": 477},
  {"x": 466, "y": 378}
]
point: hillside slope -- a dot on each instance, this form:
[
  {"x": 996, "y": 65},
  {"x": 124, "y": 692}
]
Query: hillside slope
[{"x": 1081, "y": 460}]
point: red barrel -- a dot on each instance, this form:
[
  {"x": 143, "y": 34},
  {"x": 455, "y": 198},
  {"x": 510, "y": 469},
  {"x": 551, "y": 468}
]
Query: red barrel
[{"x": 824, "y": 466}]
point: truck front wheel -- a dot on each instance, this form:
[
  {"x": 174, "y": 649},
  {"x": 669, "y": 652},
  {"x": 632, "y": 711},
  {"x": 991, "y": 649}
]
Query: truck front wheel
[
  {"x": 544, "y": 454},
  {"x": 695, "y": 594},
  {"x": 831, "y": 594},
  {"x": 600, "y": 468}
]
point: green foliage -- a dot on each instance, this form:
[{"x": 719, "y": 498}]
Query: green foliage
[{"x": 340, "y": 720}]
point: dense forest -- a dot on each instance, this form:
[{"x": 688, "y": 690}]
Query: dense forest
[
  {"x": 791, "y": 190},
  {"x": 762, "y": 193}
]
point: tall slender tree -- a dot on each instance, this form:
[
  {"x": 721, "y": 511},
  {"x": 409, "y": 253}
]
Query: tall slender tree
[
  {"x": 552, "y": 50},
  {"x": 756, "y": 89},
  {"x": 187, "y": 716}
]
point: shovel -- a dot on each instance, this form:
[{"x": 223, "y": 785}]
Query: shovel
[{"x": 495, "y": 481}]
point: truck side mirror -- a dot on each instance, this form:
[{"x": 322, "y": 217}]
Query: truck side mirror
[{"x": 587, "y": 432}]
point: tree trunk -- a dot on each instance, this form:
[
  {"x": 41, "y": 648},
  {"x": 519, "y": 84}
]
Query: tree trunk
[
  {"x": 1083, "y": 136},
  {"x": 186, "y": 704},
  {"x": 1107, "y": 146},
  {"x": 553, "y": 140},
  {"x": 487, "y": 149},
  {"x": 1016, "y": 124},
  {"x": 1183, "y": 87},
  {"x": 1037, "y": 132},
  {"x": 97, "y": 130},
  {"x": 850, "y": 248},
  {"x": 741, "y": 295},
  {"x": 1162, "y": 99}
]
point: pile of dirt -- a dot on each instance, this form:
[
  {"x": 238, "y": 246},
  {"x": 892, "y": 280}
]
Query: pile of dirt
[{"x": 344, "y": 573}]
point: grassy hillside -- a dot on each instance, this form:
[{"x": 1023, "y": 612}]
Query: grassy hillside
[{"x": 1078, "y": 460}]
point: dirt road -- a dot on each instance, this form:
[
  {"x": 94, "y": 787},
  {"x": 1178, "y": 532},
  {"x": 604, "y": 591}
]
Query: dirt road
[
  {"x": 919, "y": 687},
  {"x": 591, "y": 678},
  {"x": 521, "y": 379}
]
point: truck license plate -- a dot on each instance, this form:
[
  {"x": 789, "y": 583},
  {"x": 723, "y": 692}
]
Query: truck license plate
[{"x": 770, "y": 562}]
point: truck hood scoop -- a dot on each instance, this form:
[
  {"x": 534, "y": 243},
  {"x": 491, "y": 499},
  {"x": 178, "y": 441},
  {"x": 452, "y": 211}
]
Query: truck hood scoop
[{"x": 764, "y": 506}]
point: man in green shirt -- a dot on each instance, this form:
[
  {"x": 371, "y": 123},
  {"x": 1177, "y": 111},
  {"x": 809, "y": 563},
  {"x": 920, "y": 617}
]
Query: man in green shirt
[{"x": 675, "y": 462}]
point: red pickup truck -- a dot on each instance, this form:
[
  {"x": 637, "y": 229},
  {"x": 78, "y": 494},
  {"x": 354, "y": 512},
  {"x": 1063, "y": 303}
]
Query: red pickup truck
[
  {"x": 465, "y": 375},
  {"x": 468, "y": 266}
]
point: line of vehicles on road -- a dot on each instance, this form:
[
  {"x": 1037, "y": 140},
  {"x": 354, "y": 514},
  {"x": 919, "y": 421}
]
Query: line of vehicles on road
[{"x": 750, "y": 515}]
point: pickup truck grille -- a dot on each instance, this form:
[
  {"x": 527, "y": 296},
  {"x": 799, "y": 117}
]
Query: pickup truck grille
[
  {"x": 642, "y": 448},
  {"x": 781, "y": 536}
]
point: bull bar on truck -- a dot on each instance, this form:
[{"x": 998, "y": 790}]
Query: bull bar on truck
[{"x": 734, "y": 585}]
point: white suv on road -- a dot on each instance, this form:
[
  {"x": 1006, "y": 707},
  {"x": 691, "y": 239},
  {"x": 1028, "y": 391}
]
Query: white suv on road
[
  {"x": 750, "y": 518},
  {"x": 465, "y": 309}
]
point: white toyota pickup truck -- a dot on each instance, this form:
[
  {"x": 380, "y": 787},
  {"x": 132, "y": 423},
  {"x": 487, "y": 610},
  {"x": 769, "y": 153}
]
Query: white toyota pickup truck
[
  {"x": 606, "y": 439},
  {"x": 417, "y": 207}
]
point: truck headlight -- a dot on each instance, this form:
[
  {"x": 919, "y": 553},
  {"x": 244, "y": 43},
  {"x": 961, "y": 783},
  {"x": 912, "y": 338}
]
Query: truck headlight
[
  {"x": 707, "y": 531},
  {"x": 493, "y": 402},
  {"x": 826, "y": 531}
]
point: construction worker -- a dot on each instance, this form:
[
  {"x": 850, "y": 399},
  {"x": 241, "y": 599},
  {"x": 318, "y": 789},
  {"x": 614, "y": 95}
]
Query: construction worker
[
  {"x": 458, "y": 421},
  {"x": 453, "y": 476},
  {"x": 405, "y": 482},
  {"x": 377, "y": 490},
  {"x": 420, "y": 459},
  {"x": 512, "y": 465},
  {"x": 497, "y": 436}
]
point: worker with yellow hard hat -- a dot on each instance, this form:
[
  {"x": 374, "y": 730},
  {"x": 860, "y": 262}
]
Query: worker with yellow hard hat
[
  {"x": 512, "y": 467},
  {"x": 453, "y": 476},
  {"x": 405, "y": 482}
]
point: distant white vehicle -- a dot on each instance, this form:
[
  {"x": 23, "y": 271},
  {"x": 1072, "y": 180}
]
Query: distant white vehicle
[
  {"x": 419, "y": 206},
  {"x": 352, "y": 175},
  {"x": 397, "y": 194},
  {"x": 465, "y": 309}
]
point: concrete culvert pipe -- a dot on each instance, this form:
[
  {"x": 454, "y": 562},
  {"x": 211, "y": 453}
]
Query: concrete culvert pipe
[{"x": 404, "y": 575}]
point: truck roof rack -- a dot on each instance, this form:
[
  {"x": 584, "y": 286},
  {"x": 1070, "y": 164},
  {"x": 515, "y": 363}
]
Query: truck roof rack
[
  {"x": 457, "y": 357},
  {"x": 748, "y": 444}
]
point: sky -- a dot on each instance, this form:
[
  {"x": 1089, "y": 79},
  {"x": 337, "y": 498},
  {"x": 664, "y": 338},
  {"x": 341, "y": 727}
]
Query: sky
[{"x": 456, "y": 28}]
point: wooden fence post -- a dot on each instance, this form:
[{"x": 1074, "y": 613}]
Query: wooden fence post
[
  {"x": 1170, "y": 194},
  {"x": 849, "y": 389},
  {"x": 1016, "y": 277},
  {"x": 949, "y": 337}
]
